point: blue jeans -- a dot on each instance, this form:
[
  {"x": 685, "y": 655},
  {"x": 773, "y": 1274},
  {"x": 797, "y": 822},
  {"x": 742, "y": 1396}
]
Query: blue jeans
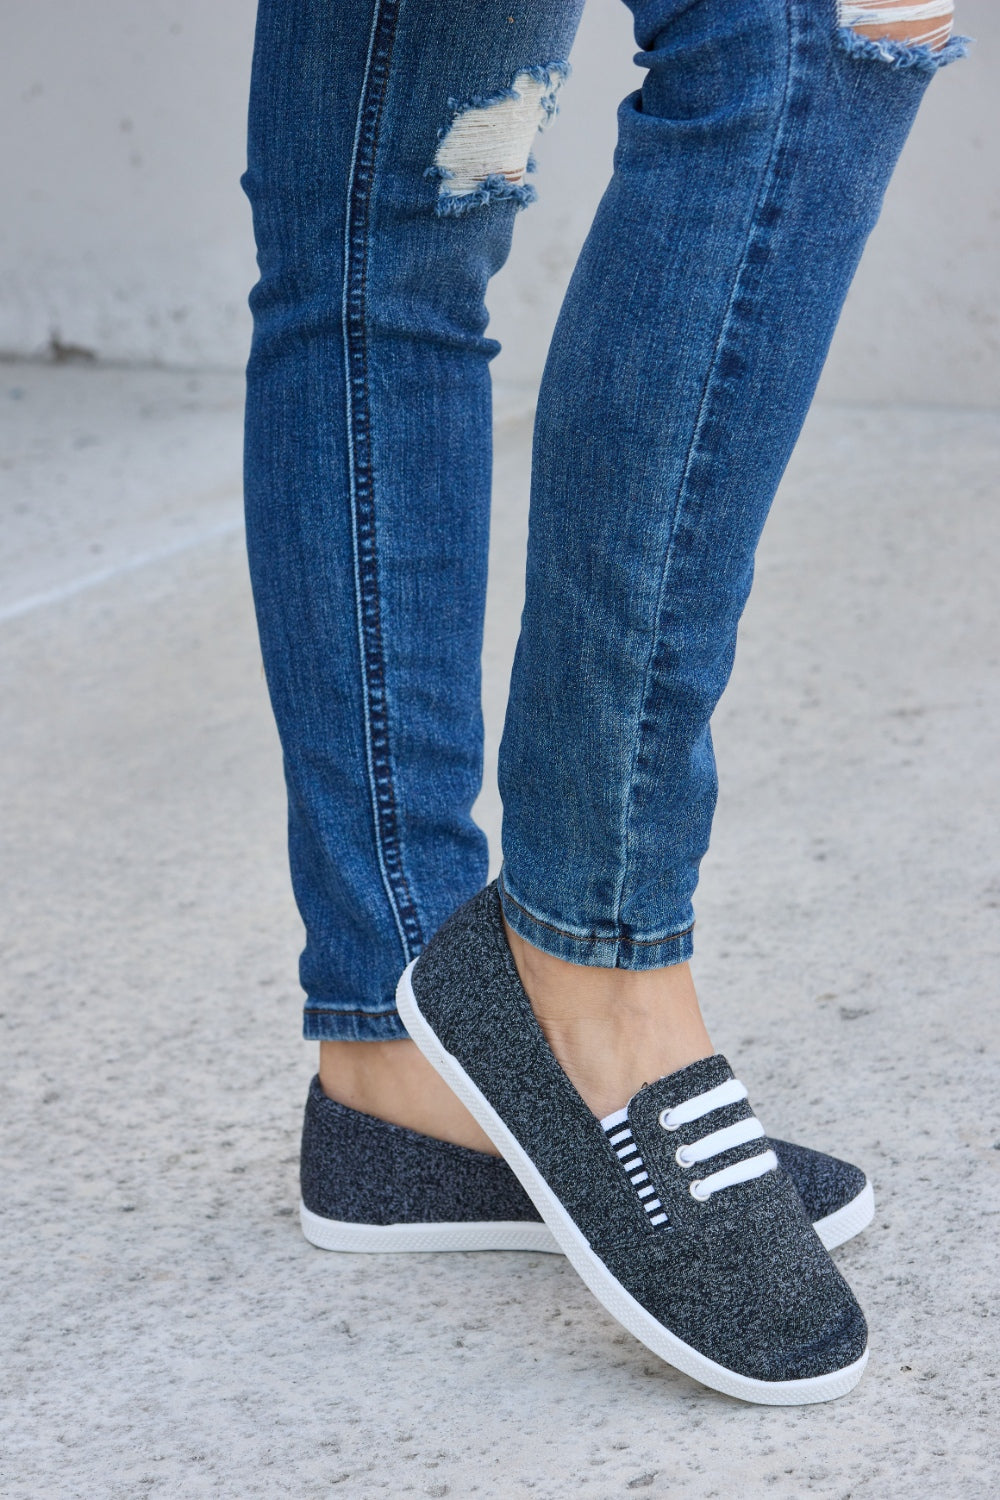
[{"x": 388, "y": 155}]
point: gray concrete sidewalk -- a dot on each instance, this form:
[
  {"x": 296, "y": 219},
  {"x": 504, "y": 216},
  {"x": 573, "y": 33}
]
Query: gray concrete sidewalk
[{"x": 165, "y": 1329}]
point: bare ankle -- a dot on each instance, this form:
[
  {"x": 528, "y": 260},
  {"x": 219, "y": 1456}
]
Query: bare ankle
[{"x": 612, "y": 1030}]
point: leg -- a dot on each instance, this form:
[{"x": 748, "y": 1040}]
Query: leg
[
  {"x": 387, "y": 361},
  {"x": 750, "y": 171},
  {"x": 748, "y": 175},
  {"x": 381, "y": 207}
]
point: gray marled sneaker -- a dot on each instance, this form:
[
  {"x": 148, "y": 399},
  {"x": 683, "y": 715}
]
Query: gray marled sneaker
[
  {"x": 701, "y": 1248},
  {"x": 368, "y": 1185}
]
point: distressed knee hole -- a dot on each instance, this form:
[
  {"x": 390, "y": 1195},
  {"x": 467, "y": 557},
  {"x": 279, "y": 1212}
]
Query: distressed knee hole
[
  {"x": 485, "y": 152},
  {"x": 898, "y": 30}
]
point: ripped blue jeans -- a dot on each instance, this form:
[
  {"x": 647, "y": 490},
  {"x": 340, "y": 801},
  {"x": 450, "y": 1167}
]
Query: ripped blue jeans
[{"x": 389, "y": 152}]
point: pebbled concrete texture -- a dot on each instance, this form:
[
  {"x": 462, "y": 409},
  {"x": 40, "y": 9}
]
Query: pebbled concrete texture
[{"x": 165, "y": 1330}]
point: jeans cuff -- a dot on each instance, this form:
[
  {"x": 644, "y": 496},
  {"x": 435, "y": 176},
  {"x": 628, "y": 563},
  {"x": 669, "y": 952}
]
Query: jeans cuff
[
  {"x": 602, "y": 951},
  {"x": 325, "y": 1023}
]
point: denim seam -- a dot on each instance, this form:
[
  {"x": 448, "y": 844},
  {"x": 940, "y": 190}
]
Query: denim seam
[
  {"x": 362, "y": 484},
  {"x": 590, "y": 938},
  {"x": 767, "y": 183}
]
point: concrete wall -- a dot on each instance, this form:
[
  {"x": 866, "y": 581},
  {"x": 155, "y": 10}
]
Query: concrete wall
[{"x": 124, "y": 229}]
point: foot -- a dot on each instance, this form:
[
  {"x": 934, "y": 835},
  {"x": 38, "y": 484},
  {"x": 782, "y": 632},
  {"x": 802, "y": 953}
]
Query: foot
[
  {"x": 675, "y": 1212},
  {"x": 370, "y": 1186}
]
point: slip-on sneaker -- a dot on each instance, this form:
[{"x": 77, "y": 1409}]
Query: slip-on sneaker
[
  {"x": 368, "y": 1185},
  {"x": 674, "y": 1212}
]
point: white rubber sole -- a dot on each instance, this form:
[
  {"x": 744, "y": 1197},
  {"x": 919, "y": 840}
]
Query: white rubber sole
[
  {"x": 591, "y": 1269},
  {"x": 837, "y": 1228},
  {"x": 497, "y": 1234},
  {"x": 516, "y": 1234}
]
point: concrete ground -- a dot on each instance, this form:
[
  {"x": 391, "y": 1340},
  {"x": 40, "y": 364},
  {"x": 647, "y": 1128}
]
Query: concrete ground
[{"x": 166, "y": 1330}]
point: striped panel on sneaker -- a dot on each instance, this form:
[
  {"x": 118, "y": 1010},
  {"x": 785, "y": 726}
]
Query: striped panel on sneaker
[{"x": 619, "y": 1133}]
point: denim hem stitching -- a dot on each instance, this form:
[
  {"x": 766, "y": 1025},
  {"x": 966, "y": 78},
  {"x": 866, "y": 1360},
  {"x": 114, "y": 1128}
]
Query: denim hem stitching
[
  {"x": 339, "y": 1010},
  {"x": 361, "y": 479},
  {"x": 593, "y": 938}
]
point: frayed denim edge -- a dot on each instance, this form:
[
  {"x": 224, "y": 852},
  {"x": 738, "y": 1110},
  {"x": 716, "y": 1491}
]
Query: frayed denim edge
[
  {"x": 490, "y": 190},
  {"x": 902, "y": 54},
  {"x": 540, "y": 72},
  {"x": 496, "y": 186}
]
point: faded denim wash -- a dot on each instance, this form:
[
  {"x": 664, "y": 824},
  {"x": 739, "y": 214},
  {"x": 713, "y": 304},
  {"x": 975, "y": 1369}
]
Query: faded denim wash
[{"x": 749, "y": 171}]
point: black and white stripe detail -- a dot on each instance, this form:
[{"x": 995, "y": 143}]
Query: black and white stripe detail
[{"x": 619, "y": 1133}]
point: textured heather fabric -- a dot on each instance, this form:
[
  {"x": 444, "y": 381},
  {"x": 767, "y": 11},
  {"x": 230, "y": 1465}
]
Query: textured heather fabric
[
  {"x": 742, "y": 1277},
  {"x": 824, "y": 1183},
  {"x": 364, "y": 1171}
]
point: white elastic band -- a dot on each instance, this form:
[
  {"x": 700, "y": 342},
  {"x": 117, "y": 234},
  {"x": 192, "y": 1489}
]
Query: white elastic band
[
  {"x": 730, "y": 1092},
  {"x": 741, "y": 1171},
  {"x": 719, "y": 1141}
]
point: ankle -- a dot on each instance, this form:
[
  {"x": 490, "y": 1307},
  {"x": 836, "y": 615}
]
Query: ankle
[{"x": 612, "y": 1030}]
